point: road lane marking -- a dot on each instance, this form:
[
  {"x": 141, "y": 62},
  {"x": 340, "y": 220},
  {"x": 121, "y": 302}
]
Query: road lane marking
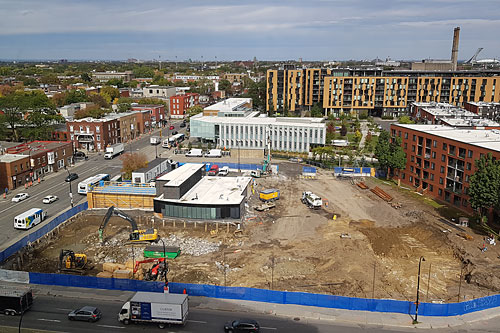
[
  {"x": 197, "y": 321},
  {"x": 63, "y": 309},
  {"x": 110, "y": 326},
  {"x": 268, "y": 328},
  {"x": 51, "y": 320}
]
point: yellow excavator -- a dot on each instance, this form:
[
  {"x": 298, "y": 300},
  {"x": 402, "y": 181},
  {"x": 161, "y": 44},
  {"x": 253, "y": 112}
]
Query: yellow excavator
[
  {"x": 143, "y": 235},
  {"x": 71, "y": 261}
]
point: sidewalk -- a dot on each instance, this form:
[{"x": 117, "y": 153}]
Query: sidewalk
[{"x": 304, "y": 313}]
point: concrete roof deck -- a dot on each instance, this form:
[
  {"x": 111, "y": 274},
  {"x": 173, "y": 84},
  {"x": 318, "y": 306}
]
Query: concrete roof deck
[
  {"x": 8, "y": 158},
  {"x": 178, "y": 176},
  {"x": 290, "y": 121},
  {"x": 488, "y": 139},
  {"x": 229, "y": 104},
  {"x": 215, "y": 191}
]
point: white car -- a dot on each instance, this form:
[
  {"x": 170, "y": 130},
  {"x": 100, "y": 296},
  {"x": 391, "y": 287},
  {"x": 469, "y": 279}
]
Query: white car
[
  {"x": 49, "y": 199},
  {"x": 20, "y": 197}
]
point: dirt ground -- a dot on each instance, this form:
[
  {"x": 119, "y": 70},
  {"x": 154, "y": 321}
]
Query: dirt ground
[{"x": 356, "y": 245}]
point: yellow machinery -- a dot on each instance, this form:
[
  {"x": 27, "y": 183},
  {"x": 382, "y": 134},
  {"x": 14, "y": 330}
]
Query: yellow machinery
[
  {"x": 269, "y": 195},
  {"x": 69, "y": 260},
  {"x": 144, "y": 235}
]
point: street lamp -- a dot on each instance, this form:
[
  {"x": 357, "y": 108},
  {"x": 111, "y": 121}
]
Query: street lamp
[
  {"x": 418, "y": 290},
  {"x": 165, "y": 265},
  {"x": 70, "y": 191}
]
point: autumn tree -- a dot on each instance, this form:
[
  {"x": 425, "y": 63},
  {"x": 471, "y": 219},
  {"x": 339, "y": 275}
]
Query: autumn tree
[
  {"x": 132, "y": 162},
  {"x": 194, "y": 110}
]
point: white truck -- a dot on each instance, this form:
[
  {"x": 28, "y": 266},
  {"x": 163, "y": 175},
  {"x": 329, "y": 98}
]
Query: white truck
[
  {"x": 155, "y": 140},
  {"x": 214, "y": 153},
  {"x": 311, "y": 200},
  {"x": 157, "y": 308},
  {"x": 114, "y": 150},
  {"x": 195, "y": 153}
]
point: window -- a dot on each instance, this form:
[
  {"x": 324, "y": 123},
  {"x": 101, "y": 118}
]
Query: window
[
  {"x": 411, "y": 168},
  {"x": 413, "y": 148},
  {"x": 412, "y": 158},
  {"x": 443, "y": 158},
  {"x": 445, "y": 146},
  {"x": 440, "y": 180},
  {"x": 433, "y": 154},
  {"x": 469, "y": 153},
  {"x": 406, "y": 145},
  {"x": 431, "y": 188},
  {"x": 97, "y": 129},
  {"x": 442, "y": 169},
  {"x": 440, "y": 192},
  {"x": 71, "y": 128},
  {"x": 432, "y": 176},
  {"x": 434, "y": 143},
  {"x": 98, "y": 137},
  {"x": 469, "y": 166},
  {"x": 406, "y": 135},
  {"x": 414, "y": 137},
  {"x": 411, "y": 179},
  {"x": 433, "y": 166}
]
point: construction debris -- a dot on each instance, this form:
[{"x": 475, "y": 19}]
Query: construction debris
[
  {"x": 362, "y": 186},
  {"x": 378, "y": 191},
  {"x": 192, "y": 245}
]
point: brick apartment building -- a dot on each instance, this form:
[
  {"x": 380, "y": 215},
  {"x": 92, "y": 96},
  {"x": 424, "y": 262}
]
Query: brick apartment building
[
  {"x": 157, "y": 113},
  {"x": 29, "y": 162},
  {"x": 94, "y": 134},
  {"x": 488, "y": 110},
  {"x": 440, "y": 159},
  {"x": 181, "y": 103}
]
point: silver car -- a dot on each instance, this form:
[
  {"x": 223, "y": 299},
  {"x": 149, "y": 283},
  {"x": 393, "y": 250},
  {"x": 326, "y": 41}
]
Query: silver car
[{"x": 20, "y": 197}]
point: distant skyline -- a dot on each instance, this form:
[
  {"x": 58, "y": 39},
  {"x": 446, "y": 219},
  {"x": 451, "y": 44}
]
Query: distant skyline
[{"x": 232, "y": 30}]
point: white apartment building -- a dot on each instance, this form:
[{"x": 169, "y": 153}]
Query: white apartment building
[
  {"x": 232, "y": 124},
  {"x": 158, "y": 92}
]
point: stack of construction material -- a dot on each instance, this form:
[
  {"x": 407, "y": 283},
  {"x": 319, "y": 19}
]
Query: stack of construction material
[{"x": 117, "y": 271}]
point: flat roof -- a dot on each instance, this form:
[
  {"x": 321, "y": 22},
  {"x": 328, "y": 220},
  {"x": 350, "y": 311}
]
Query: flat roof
[
  {"x": 484, "y": 103},
  {"x": 215, "y": 191},
  {"x": 254, "y": 119},
  {"x": 456, "y": 122},
  {"x": 125, "y": 188},
  {"x": 8, "y": 158},
  {"x": 178, "y": 176},
  {"x": 488, "y": 139},
  {"x": 228, "y": 104},
  {"x": 154, "y": 163}
]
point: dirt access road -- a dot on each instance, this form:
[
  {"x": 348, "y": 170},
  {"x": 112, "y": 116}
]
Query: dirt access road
[{"x": 292, "y": 247}]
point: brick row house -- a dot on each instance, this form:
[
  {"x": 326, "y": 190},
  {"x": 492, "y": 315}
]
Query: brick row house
[
  {"x": 29, "y": 162},
  {"x": 156, "y": 114},
  {"x": 440, "y": 159},
  {"x": 181, "y": 103}
]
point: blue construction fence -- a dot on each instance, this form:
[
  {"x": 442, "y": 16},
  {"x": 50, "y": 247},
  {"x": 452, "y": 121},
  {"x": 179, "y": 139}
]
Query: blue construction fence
[
  {"x": 345, "y": 171},
  {"x": 271, "y": 296},
  {"x": 308, "y": 170},
  {"x": 233, "y": 166},
  {"x": 35, "y": 235}
]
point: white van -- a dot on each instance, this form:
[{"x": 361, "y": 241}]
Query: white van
[
  {"x": 224, "y": 171},
  {"x": 195, "y": 153},
  {"x": 214, "y": 153},
  {"x": 29, "y": 218}
]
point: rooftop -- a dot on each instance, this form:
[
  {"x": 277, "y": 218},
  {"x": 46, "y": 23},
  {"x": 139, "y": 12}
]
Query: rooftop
[
  {"x": 178, "y": 176},
  {"x": 216, "y": 191},
  {"x": 459, "y": 122},
  {"x": 31, "y": 148},
  {"x": 484, "y": 103},
  {"x": 488, "y": 139},
  {"x": 125, "y": 188},
  {"x": 8, "y": 158},
  {"x": 230, "y": 104},
  {"x": 152, "y": 164},
  {"x": 254, "y": 118}
]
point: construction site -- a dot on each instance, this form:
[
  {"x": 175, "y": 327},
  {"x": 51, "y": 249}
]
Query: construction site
[{"x": 343, "y": 236}]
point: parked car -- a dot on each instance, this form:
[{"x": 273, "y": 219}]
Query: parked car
[
  {"x": 20, "y": 197},
  {"x": 174, "y": 132},
  {"x": 71, "y": 177},
  {"x": 242, "y": 325},
  {"x": 183, "y": 124},
  {"x": 50, "y": 199},
  {"x": 87, "y": 313},
  {"x": 79, "y": 155},
  {"x": 224, "y": 171},
  {"x": 171, "y": 127}
]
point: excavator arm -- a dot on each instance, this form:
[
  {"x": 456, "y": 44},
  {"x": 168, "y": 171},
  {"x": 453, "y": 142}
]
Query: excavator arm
[{"x": 114, "y": 211}]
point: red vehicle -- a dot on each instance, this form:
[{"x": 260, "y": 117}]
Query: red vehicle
[
  {"x": 171, "y": 127},
  {"x": 214, "y": 170}
]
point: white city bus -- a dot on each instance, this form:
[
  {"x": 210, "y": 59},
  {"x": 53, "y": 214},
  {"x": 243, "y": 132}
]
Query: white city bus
[
  {"x": 29, "y": 218},
  {"x": 85, "y": 185}
]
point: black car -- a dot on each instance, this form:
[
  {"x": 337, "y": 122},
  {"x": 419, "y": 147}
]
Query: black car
[
  {"x": 87, "y": 313},
  {"x": 71, "y": 177},
  {"x": 182, "y": 125},
  {"x": 79, "y": 155},
  {"x": 241, "y": 325},
  {"x": 174, "y": 132}
]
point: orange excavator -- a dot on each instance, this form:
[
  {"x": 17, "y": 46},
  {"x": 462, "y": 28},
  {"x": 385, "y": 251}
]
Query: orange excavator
[{"x": 159, "y": 268}]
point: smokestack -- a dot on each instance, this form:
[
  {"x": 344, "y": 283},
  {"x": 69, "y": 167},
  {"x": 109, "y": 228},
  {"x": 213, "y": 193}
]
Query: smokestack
[{"x": 454, "y": 49}]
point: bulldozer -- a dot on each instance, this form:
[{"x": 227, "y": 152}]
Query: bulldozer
[
  {"x": 70, "y": 261},
  {"x": 143, "y": 235}
]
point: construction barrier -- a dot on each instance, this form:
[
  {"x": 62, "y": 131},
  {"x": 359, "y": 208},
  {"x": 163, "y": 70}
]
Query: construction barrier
[
  {"x": 271, "y": 296},
  {"x": 354, "y": 172},
  {"x": 233, "y": 166}
]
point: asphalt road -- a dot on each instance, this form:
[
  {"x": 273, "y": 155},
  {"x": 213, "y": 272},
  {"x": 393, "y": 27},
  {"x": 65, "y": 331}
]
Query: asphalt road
[
  {"x": 50, "y": 313},
  {"x": 54, "y": 184}
]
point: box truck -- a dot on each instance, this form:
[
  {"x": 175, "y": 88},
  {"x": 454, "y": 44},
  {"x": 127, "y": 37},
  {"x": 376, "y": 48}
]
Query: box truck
[
  {"x": 157, "y": 308},
  {"x": 15, "y": 300},
  {"x": 155, "y": 140},
  {"x": 114, "y": 150}
]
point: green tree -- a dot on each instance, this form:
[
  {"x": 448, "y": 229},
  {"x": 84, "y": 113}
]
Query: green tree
[
  {"x": 109, "y": 93},
  {"x": 115, "y": 82},
  {"x": 99, "y": 100},
  {"x": 389, "y": 152},
  {"x": 49, "y": 79},
  {"x": 194, "y": 110},
  {"x": 257, "y": 92},
  {"x": 86, "y": 77},
  {"x": 357, "y": 136},
  {"x": 76, "y": 96},
  {"x": 317, "y": 110},
  {"x": 343, "y": 130},
  {"x": 143, "y": 72},
  {"x": 484, "y": 185},
  {"x": 225, "y": 85},
  {"x": 405, "y": 120}
]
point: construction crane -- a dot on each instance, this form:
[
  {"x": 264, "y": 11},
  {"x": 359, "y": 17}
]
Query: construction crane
[
  {"x": 72, "y": 262},
  {"x": 472, "y": 60},
  {"x": 148, "y": 235}
]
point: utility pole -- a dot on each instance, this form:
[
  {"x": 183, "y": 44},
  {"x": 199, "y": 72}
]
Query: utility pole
[
  {"x": 428, "y": 283},
  {"x": 373, "y": 285}
]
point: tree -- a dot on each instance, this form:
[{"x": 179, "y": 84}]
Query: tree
[
  {"x": 143, "y": 72},
  {"x": 109, "y": 93},
  {"x": 484, "y": 185},
  {"x": 194, "y": 110},
  {"x": 389, "y": 152},
  {"x": 132, "y": 162},
  {"x": 405, "y": 120},
  {"x": 86, "y": 77},
  {"x": 99, "y": 100},
  {"x": 343, "y": 130},
  {"x": 257, "y": 92},
  {"x": 76, "y": 96},
  {"x": 225, "y": 85},
  {"x": 317, "y": 110},
  {"x": 49, "y": 79},
  {"x": 357, "y": 136}
]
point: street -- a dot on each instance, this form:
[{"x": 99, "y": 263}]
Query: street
[{"x": 54, "y": 184}]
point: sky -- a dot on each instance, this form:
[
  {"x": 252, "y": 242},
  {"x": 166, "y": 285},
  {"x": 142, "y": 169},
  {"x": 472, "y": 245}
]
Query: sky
[{"x": 323, "y": 30}]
